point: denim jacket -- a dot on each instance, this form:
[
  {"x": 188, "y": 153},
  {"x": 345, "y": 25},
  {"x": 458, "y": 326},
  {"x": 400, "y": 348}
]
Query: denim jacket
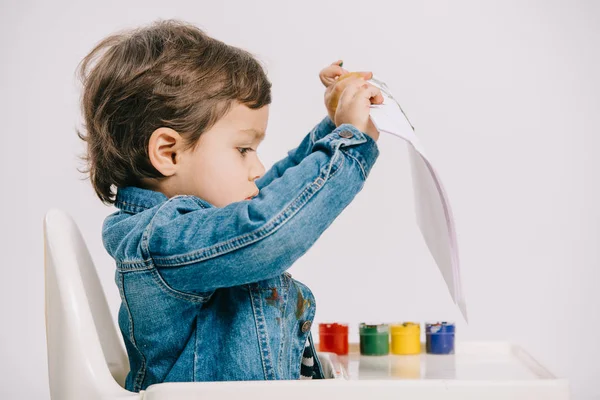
[{"x": 205, "y": 295}]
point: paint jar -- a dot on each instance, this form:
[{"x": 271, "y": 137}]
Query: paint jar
[
  {"x": 440, "y": 337},
  {"x": 406, "y": 338},
  {"x": 333, "y": 337},
  {"x": 374, "y": 339}
]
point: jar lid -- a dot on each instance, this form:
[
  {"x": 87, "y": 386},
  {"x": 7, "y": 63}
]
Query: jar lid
[
  {"x": 373, "y": 329},
  {"x": 439, "y": 328},
  {"x": 333, "y": 328},
  {"x": 405, "y": 328}
]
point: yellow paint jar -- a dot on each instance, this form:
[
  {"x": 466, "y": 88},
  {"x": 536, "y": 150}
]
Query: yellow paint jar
[{"x": 406, "y": 338}]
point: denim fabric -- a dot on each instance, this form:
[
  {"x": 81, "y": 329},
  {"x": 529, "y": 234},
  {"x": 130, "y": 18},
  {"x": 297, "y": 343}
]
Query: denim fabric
[{"x": 204, "y": 289}]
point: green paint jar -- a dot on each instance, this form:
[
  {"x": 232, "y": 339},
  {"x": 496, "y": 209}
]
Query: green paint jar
[{"x": 374, "y": 339}]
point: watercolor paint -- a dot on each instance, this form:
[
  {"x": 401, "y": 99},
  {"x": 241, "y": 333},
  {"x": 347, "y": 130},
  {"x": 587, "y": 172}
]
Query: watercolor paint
[
  {"x": 406, "y": 338},
  {"x": 439, "y": 337},
  {"x": 333, "y": 338},
  {"x": 374, "y": 339}
]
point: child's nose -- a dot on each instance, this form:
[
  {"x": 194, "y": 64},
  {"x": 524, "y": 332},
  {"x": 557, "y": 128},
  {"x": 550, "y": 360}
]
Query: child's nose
[{"x": 257, "y": 171}]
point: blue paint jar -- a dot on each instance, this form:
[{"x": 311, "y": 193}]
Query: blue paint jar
[{"x": 439, "y": 338}]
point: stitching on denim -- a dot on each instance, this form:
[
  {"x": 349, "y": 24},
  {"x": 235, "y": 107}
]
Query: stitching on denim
[
  {"x": 364, "y": 174},
  {"x": 145, "y": 235},
  {"x": 124, "y": 203},
  {"x": 316, "y": 359},
  {"x": 198, "y": 201},
  {"x": 296, "y": 363},
  {"x": 147, "y": 232},
  {"x": 267, "y": 290},
  {"x": 133, "y": 265},
  {"x": 285, "y": 297},
  {"x": 309, "y": 317},
  {"x": 257, "y": 319},
  {"x": 126, "y": 270},
  {"x": 334, "y": 162},
  {"x": 166, "y": 288},
  {"x": 142, "y": 372},
  {"x": 195, "y": 348},
  {"x": 334, "y": 157},
  {"x": 254, "y": 286},
  {"x": 134, "y": 262},
  {"x": 312, "y": 134},
  {"x": 151, "y": 224},
  {"x": 265, "y": 340},
  {"x": 269, "y": 228}
]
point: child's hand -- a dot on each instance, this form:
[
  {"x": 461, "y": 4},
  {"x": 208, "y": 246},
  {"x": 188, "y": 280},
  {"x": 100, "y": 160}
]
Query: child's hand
[
  {"x": 331, "y": 73},
  {"x": 332, "y": 77},
  {"x": 354, "y": 104}
]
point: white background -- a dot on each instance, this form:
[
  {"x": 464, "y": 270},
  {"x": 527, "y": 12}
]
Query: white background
[{"x": 505, "y": 96}]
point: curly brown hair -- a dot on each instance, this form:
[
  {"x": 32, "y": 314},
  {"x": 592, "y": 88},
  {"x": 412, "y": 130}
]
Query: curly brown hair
[{"x": 168, "y": 74}]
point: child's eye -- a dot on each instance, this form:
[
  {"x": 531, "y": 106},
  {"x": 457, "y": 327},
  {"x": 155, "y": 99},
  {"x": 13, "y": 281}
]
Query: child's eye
[{"x": 244, "y": 150}]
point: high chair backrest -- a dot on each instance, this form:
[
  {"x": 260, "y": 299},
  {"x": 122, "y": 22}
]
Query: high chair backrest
[{"x": 86, "y": 359}]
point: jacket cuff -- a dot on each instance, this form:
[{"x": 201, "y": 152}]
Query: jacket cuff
[
  {"x": 358, "y": 145},
  {"x": 323, "y": 128}
]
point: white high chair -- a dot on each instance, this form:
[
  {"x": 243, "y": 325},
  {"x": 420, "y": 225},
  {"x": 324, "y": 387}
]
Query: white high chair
[{"x": 86, "y": 358}]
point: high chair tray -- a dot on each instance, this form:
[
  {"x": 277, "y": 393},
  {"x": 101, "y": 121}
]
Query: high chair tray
[{"x": 478, "y": 370}]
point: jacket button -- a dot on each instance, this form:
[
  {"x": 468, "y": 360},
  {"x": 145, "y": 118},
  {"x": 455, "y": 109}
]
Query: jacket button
[
  {"x": 346, "y": 134},
  {"x": 306, "y": 326}
]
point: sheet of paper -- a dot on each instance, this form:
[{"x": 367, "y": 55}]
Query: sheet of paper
[{"x": 432, "y": 206}]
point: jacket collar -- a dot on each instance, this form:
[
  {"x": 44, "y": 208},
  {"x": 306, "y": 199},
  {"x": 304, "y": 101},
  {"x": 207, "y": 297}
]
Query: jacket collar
[{"x": 134, "y": 199}]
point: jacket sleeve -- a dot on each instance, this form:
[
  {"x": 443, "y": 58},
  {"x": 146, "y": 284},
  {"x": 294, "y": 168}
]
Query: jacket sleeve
[
  {"x": 295, "y": 156},
  {"x": 197, "y": 247}
]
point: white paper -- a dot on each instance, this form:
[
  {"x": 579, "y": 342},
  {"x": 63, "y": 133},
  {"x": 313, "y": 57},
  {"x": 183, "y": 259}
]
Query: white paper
[{"x": 432, "y": 207}]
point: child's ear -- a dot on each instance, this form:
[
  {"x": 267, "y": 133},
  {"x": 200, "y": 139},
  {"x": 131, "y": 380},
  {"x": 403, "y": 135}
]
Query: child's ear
[{"x": 162, "y": 149}]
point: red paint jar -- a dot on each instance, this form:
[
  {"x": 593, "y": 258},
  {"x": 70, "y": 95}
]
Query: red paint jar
[{"x": 333, "y": 338}]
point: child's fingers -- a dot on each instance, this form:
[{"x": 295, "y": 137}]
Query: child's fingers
[
  {"x": 344, "y": 71},
  {"x": 360, "y": 74},
  {"x": 340, "y": 63},
  {"x": 351, "y": 79},
  {"x": 354, "y": 80},
  {"x": 377, "y": 99},
  {"x": 350, "y": 88},
  {"x": 329, "y": 74},
  {"x": 372, "y": 93}
]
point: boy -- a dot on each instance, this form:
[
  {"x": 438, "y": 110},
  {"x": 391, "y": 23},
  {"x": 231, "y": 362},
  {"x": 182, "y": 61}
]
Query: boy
[{"x": 203, "y": 235}]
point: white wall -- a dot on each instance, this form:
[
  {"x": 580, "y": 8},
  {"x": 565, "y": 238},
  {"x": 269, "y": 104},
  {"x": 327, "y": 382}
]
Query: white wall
[{"x": 504, "y": 95}]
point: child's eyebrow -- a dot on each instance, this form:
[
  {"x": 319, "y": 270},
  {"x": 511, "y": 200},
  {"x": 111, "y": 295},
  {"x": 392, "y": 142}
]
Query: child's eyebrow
[{"x": 257, "y": 134}]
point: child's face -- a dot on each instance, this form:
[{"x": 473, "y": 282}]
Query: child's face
[{"x": 223, "y": 165}]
